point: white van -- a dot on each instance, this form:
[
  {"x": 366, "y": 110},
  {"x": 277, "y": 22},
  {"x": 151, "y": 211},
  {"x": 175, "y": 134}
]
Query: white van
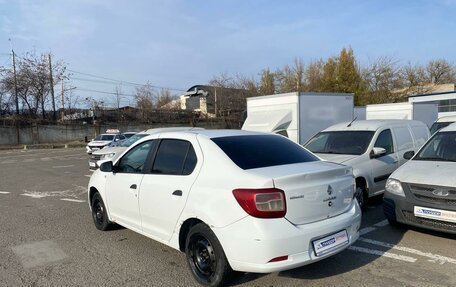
[
  {"x": 423, "y": 191},
  {"x": 442, "y": 122},
  {"x": 374, "y": 148}
]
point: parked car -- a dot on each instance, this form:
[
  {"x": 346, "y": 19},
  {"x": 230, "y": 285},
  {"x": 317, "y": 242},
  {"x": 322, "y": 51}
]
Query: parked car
[
  {"x": 423, "y": 191},
  {"x": 112, "y": 152},
  {"x": 442, "y": 122},
  {"x": 229, "y": 199},
  {"x": 374, "y": 148},
  {"x": 103, "y": 140}
]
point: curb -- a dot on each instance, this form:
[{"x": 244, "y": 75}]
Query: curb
[{"x": 43, "y": 146}]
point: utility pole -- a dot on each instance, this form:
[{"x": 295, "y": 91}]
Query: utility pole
[
  {"x": 51, "y": 81},
  {"x": 15, "y": 82},
  {"x": 63, "y": 102}
]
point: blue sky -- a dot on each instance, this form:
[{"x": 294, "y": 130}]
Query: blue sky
[{"x": 178, "y": 44}]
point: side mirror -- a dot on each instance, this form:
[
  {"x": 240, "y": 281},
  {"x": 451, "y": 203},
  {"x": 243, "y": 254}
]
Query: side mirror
[
  {"x": 107, "y": 166},
  {"x": 377, "y": 152},
  {"x": 409, "y": 154}
]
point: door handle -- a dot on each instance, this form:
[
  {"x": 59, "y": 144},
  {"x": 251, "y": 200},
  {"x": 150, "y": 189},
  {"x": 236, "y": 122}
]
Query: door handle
[
  {"x": 177, "y": 193},
  {"x": 133, "y": 186}
]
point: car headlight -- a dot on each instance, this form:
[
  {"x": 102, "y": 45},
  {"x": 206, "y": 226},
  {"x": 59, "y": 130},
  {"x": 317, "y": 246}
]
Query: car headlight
[
  {"x": 108, "y": 155},
  {"x": 394, "y": 186}
]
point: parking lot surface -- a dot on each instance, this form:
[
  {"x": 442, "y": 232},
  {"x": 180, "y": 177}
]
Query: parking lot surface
[{"x": 48, "y": 238}]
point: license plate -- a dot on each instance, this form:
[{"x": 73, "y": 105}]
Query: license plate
[
  {"x": 92, "y": 164},
  {"x": 437, "y": 214},
  {"x": 329, "y": 243}
]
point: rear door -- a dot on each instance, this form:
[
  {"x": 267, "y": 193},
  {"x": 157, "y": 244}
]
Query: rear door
[
  {"x": 404, "y": 142},
  {"x": 165, "y": 188}
]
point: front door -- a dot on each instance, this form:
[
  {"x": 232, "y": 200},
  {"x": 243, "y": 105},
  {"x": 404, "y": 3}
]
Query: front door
[
  {"x": 122, "y": 186},
  {"x": 385, "y": 165}
]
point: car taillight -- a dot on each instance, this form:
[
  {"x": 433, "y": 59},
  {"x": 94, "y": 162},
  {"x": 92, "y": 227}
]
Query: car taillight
[{"x": 263, "y": 202}]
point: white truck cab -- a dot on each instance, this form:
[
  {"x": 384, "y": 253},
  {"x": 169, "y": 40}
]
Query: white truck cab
[{"x": 373, "y": 148}]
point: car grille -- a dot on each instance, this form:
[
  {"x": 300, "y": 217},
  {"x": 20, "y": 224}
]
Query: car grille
[
  {"x": 426, "y": 193},
  {"x": 429, "y": 222},
  {"x": 95, "y": 157}
]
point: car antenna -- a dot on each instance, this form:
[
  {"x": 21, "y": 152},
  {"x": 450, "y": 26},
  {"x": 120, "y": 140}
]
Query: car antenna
[{"x": 349, "y": 125}]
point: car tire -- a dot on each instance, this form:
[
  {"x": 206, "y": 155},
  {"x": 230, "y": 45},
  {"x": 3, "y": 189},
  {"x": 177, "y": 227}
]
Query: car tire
[
  {"x": 205, "y": 256},
  {"x": 99, "y": 214},
  {"x": 361, "y": 196}
]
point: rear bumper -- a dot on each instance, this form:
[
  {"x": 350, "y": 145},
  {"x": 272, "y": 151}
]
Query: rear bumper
[
  {"x": 401, "y": 209},
  {"x": 251, "y": 243}
]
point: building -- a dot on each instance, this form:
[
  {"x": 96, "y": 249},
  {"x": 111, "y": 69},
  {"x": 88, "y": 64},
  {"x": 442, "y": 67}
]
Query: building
[
  {"x": 446, "y": 101},
  {"x": 211, "y": 101}
]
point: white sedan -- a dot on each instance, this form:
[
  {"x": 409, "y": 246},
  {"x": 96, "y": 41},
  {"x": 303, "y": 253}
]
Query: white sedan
[{"x": 231, "y": 200}]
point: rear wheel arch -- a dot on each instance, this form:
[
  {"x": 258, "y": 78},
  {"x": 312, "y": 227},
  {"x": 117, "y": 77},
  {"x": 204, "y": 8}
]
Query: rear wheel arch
[{"x": 185, "y": 229}]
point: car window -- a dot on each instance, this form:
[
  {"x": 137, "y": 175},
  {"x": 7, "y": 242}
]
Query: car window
[
  {"x": 134, "y": 160},
  {"x": 175, "y": 157},
  {"x": 385, "y": 140},
  {"x": 421, "y": 134},
  {"x": 340, "y": 142},
  {"x": 257, "y": 151},
  {"x": 404, "y": 140}
]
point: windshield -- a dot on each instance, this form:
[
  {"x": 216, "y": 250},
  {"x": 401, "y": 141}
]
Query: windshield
[
  {"x": 439, "y": 125},
  {"x": 340, "y": 142},
  {"x": 441, "y": 147},
  {"x": 104, "y": 137},
  {"x": 132, "y": 139}
]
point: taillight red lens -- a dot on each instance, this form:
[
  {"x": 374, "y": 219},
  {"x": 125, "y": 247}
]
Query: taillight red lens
[{"x": 263, "y": 202}]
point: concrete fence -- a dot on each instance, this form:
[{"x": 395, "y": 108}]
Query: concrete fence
[{"x": 38, "y": 134}]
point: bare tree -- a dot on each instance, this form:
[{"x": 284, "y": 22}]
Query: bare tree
[
  {"x": 440, "y": 72},
  {"x": 382, "y": 77},
  {"x": 267, "y": 82},
  {"x": 291, "y": 78},
  {"x": 33, "y": 84},
  {"x": 145, "y": 99}
]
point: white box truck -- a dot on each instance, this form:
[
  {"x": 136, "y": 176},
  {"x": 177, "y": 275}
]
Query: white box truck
[
  {"x": 298, "y": 116},
  {"x": 424, "y": 112}
]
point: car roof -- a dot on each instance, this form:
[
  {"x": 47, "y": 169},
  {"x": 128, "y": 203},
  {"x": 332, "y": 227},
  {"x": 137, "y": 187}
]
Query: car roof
[
  {"x": 446, "y": 119},
  {"x": 170, "y": 129},
  {"x": 450, "y": 128},
  {"x": 370, "y": 125}
]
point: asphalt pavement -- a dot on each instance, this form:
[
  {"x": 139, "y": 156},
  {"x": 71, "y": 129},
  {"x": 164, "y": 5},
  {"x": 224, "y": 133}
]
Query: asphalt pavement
[{"x": 47, "y": 238}]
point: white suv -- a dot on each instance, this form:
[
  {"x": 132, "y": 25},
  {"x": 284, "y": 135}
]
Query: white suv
[{"x": 231, "y": 200}]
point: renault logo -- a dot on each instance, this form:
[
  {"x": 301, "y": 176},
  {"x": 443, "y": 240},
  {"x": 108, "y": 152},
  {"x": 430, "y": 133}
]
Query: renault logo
[
  {"x": 330, "y": 190},
  {"x": 441, "y": 192}
]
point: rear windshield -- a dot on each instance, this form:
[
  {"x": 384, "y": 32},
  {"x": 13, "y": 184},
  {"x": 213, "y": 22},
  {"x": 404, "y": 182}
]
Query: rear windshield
[{"x": 256, "y": 151}]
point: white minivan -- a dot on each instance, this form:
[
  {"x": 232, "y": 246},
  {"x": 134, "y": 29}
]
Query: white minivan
[{"x": 374, "y": 148}]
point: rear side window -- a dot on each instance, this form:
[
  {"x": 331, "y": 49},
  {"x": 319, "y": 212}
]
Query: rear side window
[
  {"x": 257, "y": 151},
  {"x": 421, "y": 135},
  {"x": 175, "y": 157},
  {"x": 404, "y": 139}
]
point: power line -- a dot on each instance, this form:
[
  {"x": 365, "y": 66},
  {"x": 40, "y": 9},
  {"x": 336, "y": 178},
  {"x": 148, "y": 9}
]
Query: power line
[
  {"x": 104, "y": 92},
  {"x": 124, "y": 82}
]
